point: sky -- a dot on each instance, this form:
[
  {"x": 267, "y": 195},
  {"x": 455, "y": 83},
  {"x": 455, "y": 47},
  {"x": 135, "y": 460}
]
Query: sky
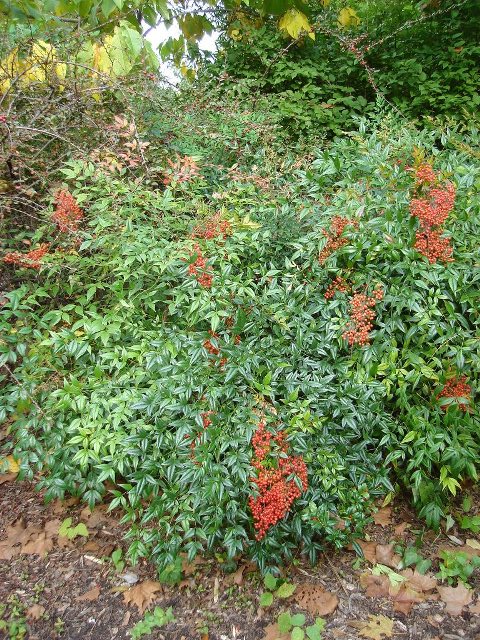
[{"x": 161, "y": 33}]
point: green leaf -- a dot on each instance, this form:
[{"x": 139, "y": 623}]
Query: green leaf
[
  {"x": 64, "y": 528},
  {"x": 284, "y": 622},
  {"x": 298, "y": 620},
  {"x": 266, "y": 599},
  {"x": 79, "y": 530},
  {"x": 298, "y": 633},
  {"x": 270, "y": 581},
  {"x": 285, "y": 590}
]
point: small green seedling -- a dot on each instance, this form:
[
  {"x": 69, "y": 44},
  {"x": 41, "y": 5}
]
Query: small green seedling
[
  {"x": 457, "y": 565},
  {"x": 67, "y": 531},
  {"x": 158, "y": 618},
  {"x": 295, "y": 626},
  {"x": 411, "y": 557},
  {"x": 276, "y": 588},
  {"x": 118, "y": 563}
]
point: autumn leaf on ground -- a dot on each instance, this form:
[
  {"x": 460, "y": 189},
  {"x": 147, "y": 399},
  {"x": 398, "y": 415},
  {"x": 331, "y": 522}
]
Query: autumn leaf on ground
[
  {"x": 89, "y": 596},
  {"x": 272, "y": 632},
  {"x": 39, "y": 545},
  {"x": 385, "y": 554},
  {"x": 455, "y": 598},
  {"x": 142, "y": 595},
  {"x": 377, "y": 627},
  {"x": 35, "y": 612},
  {"x": 7, "y": 477},
  {"x": 368, "y": 549},
  {"x": 383, "y": 517},
  {"x": 16, "y": 534},
  {"x": 314, "y": 599},
  {"x": 375, "y": 586}
]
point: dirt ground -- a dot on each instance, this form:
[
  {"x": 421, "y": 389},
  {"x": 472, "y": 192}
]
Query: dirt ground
[{"x": 52, "y": 587}]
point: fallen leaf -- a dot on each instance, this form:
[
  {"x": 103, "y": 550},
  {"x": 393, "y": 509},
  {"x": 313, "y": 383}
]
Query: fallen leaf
[
  {"x": 89, "y": 596},
  {"x": 314, "y": 599},
  {"x": 455, "y": 598},
  {"x": 38, "y": 546},
  {"x": 7, "y": 477},
  {"x": 377, "y": 627},
  {"x": 142, "y": 595},
  {"x": 385, "y": 554},
  {"x": 51, "y": 528},
  {"x": 401, "y": 528},
  {"x": 189, "y": 568},
  {"x": 375, "y": 586},
  {"x": 35, "y": 612},
  {"x": 383, "y": 517},
  {"x": 473, "y": 544},
  {"x": 272, "y": 632},
  {"x": 406, "y": 597},
  {"x": 418, "y": 581},
  {"x": 368, "y": 549},
  {"x": 238, "y": 575}
]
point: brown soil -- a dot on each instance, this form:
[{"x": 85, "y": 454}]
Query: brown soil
[{"x": 208, "y": 604}]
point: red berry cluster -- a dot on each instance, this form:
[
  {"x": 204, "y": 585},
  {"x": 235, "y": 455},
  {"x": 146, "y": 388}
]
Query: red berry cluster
[
  {"x": 457, "y": 388},
  {"x": 339, "y": 284},
  {"x": 432, "y": 211},
  {"x": 210, "y": 347},
  {"x": 199, "y": 268},
  {"x": 275, "y": 492},
  {"x": 425, "y": 174},
  {"x": 334, "y": 239},
  {"x": 430, "y": 243},
  {"x": 216, "y": 227},
  {"x": 361, "y": 317},
  {"x": 67, "y": 214},
  {"x": 30, "y": 260}
]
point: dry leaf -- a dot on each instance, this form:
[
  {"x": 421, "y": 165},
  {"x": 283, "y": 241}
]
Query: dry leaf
[
  {"x": 401, "y": 528},
  {"x": 51, "y": 528},
  {"x": 368, "y": 549},
  {"x": 272, "y": 633},
  {"x": 38, "y": 546},
  {"x": 89, "y": 596},
  {"x": 418, "y": 581},
  {"x": 7, "y": 477},
  {"x": 377, "y": 627},
  {"x": 189, "y": 568},
  {"x": 238, "y": 575},
  {"x": 35, "y": 612},
  {"x": 383, "y": 517},
  {"x": 385, "y": 555},
  {"x": 473, "y": 544},
  {"x": 406, "y": 597},
  {"x": 314, "y": 599},
  {"x": 375, "y": 586},
  {"x": 455, "y": 598},
  {"x": 142, "y": 595}
]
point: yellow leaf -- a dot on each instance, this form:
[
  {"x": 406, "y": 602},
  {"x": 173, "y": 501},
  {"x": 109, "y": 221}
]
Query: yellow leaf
[
  {"x": 348, "y": 18},
  {"x": 12, "y": 465},
  {"x": 325, "y": 3},
  {"x": 377, "y": 627},
  {"x": 10, "y": 67},
  {"x": 295, "y": 23}
]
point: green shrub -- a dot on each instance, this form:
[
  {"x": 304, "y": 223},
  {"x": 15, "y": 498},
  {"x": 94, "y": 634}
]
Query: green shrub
[{"x": 123, "y": 368}]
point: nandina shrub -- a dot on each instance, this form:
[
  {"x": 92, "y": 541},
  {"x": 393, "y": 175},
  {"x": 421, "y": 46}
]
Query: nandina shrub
[{"x": 150, "y": 354}]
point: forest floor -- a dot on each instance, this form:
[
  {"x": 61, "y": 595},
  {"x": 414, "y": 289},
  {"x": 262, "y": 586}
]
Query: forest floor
[{"x": 55, "y": 587}]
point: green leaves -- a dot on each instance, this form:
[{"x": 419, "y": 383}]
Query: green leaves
[{"x": 67, "y": 531}]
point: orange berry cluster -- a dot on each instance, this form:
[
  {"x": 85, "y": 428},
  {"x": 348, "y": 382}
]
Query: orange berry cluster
[
  {"x": 67, "y": 214},
  {"x": 199, "y": 268},
  {"x": 215, "y": 350},
  {"x": 432, "y": 211},
  {"x": 275, "y": 493},
  {"x": 425, "y": 174},
  {"x": 334, "y": 239},
  {"x": 430, "y": 243},
  {"x": 30, "y": 260},
  {"x": 216, "y": 227},
  {"x": 339, "y": 284},
  {"x": 457, "y": 388},
  {"x": 361, "y": 317}
]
